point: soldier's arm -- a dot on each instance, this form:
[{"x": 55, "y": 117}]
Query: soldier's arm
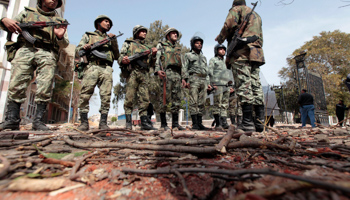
[
  {"x": 231, "y": 23},
  {"x": 84, "y": 40},
  {"x": 64, "y": 42},
  {"x": 19, "y": 18},
  {"x": 115, "y": 49},
  {"x": 123, "y": 53},
  {"x": 158, "y": 60},
  {"x": 184, "y": 70},
  {"x": 211, "y": 69}
]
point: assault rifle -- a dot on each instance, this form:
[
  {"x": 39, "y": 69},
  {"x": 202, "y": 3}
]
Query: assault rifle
[
  {"x": 238, "y": 33},
  {"x": 136, "y": 56},
  {"x": 228, "y": 84},
  {"x": 31, "y": 25},
  {"x": 93, "y": 50}
]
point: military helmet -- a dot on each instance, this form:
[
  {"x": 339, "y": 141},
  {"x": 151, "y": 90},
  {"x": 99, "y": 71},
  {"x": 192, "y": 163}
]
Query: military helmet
[
  {"x": 216, "y": 48},
  {"x": 138, "y": 28},
  {"x": 100, "y": 17},
  {"x": 58, "y": 5},
  {"x": 194, "y": 39},
  {"x": 238, "y": 2},
  {"x": 171, "y": 30}
]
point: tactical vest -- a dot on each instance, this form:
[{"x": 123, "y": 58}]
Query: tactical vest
[
  {"x": 171, "y": 56},
  {"x": 137, "y": 47},
  {"x": 106, "y": 48},
  {"x": 44, "y": 35}
]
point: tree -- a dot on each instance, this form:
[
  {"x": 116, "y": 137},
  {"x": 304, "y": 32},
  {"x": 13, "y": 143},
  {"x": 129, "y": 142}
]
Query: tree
[
  {"x": 155, "y": 34},
  {"x": 329, "y": 56}
]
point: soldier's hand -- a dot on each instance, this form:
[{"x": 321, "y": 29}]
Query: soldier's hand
[
  {"x": 218, "y": 39},
  {"x": 184, "y": 84},
  {"x": 126, "y": 60},
  {"x": 161, "y": 74},
  {"x": 12, "y": 25},
  {"x": 154, "y": 51},
  {"x": 87, "y": 46},
  {"x": 232, "y": 90},
  {"x": 209, "y": 87},
  {"x": 60, "y": 31},
  {"x": 111, "y": 35}
]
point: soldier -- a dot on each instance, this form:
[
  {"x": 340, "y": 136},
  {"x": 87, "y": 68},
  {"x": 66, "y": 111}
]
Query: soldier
[
  {"x": 137, "y": 81},
  {"x": 98, "y": 71},
  {"x": 195, "y": 77},
  {"x": 217, "y": 67},
  {"x": 234, "y": 108},
  {"x": 42, "y": 57},
  {"x": 246, "y": 62},
  {"x": 168, "y": 68}
]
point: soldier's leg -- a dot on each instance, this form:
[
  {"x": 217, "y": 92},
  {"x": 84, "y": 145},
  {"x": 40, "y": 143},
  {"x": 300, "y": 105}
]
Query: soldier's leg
[
  {"x": 175, "y": 97},
  {"x": 201, "y": 102},
  {"x": 105, "y": 85},
  {"x": 193, "y": 101},
  {"x": 21, "y": 74},
  {"x": 223, "y": 108},
  {"x": 216, "y": 110},
  {"x": 46, "y": 65},
  {"x": 143, "y": 99},
  {"x": 88, "y": 84},
  {"x": 242, "y": 75},
  {"x": 258, "y": 99},
  {"x": 131, "y": 87}
]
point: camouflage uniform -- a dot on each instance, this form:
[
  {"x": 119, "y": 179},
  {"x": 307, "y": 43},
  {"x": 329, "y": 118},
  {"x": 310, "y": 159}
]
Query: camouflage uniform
[
  {"x": 246, "y": 66},
  {"x": 195, "y": 71},
  {"x": 220, "y": 100},
  {"x": 138, "y": 81},
  {"x": 169, "y": 57},
  {"x": 234, "y": 108},
  {"x": 98, "y": 71},
  {"x": 42, "y": 57}
]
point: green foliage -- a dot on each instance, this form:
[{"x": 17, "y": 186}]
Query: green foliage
[
  {"x": 328, "y": 55},
  {"x": 59, "y": 155},
  {"x": 114, "y": 119}
]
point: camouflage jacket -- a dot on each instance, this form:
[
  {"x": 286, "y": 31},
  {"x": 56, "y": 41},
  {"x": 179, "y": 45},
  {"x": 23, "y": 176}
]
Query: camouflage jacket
[
  {"x": 252, "y": 51},
  {"x": 194, "y": 64},
  {"x": 110, "y": 49},
  {"x": 168, "y": 55},
  {"x": 45, "y": 35},
  {"x": 130, "y": 47},
  {"x": 216, "y": 65}
]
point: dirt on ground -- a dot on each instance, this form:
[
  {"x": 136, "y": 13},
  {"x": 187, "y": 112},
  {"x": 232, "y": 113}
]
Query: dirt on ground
[{"x": 284, "y": 162}]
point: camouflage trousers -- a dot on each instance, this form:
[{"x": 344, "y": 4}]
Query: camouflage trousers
[
  {"x": 137, "y": 84},
  {"x": 100, "y": 75},
  {"x": 221, "y": 103},
  {"x": 234, "y": 106},
  {"x": 197, "y": 94},
  {"x": 154, "y": 89},
  {"x": 247, "y": 81},
  {"x": 26, "y": 61},
  {"x": 173, "y": 92}
]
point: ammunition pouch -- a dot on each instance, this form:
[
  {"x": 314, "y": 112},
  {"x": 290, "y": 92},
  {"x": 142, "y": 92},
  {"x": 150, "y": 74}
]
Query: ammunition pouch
[{"x": 11, "y": 48}]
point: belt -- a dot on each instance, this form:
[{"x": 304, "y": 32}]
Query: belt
[
  {"x": 101, "y": 62},
  {"x": 198, "y": 75},
  {"x": 41, "y": 45}
]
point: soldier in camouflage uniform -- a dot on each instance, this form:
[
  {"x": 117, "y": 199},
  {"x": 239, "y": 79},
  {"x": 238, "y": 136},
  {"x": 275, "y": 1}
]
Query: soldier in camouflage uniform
[
  {"x": 42, "y": 57},
  {"x": 195, "y": 77},
  {"x": 217, "y": 65},
  {"x": 98, "y": 71},
  {"x": 168, "y": 68},
  {"x": 137, "y": 82},
  {"x": 234, "y": 108},
  {"x": 246, "y": 66}
]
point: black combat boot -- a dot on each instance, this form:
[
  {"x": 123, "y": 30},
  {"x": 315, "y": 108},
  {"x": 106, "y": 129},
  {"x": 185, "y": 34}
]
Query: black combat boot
[
  {"x": 233, "y": 119},
  {"x": 224, "y": 122},
  {"x": 175, "y": 122},
  {"x": 194, "y": 122},
  {"x": 103, "y": 122},
  {"x": 128, "y": 124},
  {"x": 163, "y": 122},
  {"x": 199, "y": 121},
  {"x": 259, "y": 116},
  {"x": 145, "y": 125},
  {"x": 38, "y": 123},
  {"x": 84, "y": 122},
  {"x": 239, "y": 119},
  {"x": 12, "y": 118},
  {"x": 217, "y": 122},
  {"x": 247, "y": 121}
]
